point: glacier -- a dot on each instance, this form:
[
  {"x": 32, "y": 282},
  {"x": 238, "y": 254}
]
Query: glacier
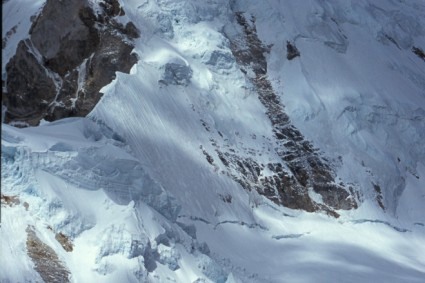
[{"x": 141, "y": 187}]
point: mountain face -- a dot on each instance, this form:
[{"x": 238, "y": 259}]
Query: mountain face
[
  {"x": 213, "y": 141},
  {"x": 70, "y": 54}
]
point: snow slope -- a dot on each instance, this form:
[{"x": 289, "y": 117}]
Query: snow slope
[
  {"x": 141, "y": 235},
  {"x": 358, "y": 77},
  {"x": 131, "y": 186}
]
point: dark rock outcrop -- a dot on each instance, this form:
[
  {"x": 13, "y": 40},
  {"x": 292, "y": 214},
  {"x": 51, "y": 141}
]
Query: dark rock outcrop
[
  {"x": 379, "y": 198},
  {"x": 291, "y": 51},
  {"x": 46, "y": 261},
  {"x": 307, "y": 169},
  {"x": 70, "y": 55},
  {"x": 419, "y": 52}
]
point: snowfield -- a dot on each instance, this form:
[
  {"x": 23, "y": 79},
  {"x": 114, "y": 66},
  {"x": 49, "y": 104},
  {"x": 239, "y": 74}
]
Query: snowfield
[{"x": 133, "y": 187}]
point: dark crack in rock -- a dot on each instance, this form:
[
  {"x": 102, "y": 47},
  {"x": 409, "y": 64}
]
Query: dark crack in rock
[
  {"x": 70, "y": 55},
  {"x": 306, "y": 168}
]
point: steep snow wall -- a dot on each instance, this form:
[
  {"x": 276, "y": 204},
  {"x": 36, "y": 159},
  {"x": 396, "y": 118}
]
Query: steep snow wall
[{"x": 150, "y": 187}]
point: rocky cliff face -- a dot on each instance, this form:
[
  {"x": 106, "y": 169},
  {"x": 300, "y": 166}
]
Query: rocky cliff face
[
  {"x": 74, "y": 49},
  {"x": 71, "y": 53},
  {"x": 307, "y": 169}
]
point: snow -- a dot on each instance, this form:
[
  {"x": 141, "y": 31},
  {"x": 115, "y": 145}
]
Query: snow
[
  {"x": 374, "y": 111},
  {"x": 130, "y": 184},
  {"x": 274, "y": 245}
]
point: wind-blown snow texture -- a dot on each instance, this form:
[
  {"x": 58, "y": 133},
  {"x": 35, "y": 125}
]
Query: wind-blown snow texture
[{"x": 138, "y": 186}]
